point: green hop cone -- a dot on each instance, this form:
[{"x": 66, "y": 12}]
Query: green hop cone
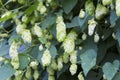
[
  {"x": 96, "y": 38},
  {"x": 50, "y": 70},
  {"x": 26, "y": 36},
  {"x": 15, "y": 62},
  {"x": 46, "y": 58},
  {"x": 69, "y": 45},
  {"x": 84, "y": 36},
  {"x": 21, "y": 1},
  {"x": 117, "y": 7},
  {"x": 80, "y": 76},
  {"x": 73, "y": 69},
  {"x": 41, "y": 8},
  {"x": 89, "y": 7},
  {"x": 34, "y": 64},
  {"x": 36, "y": 30},
  {"x": 73, "y": 57},
  {"x": 25, "y": 19},
  {"x": 65, "y": 57},
  {"x": 91, "y": 27},
  {"x": 51, "y": 77},
  {"x": 60, "y": 63},
  {"x": 54, "y": 64},
  {"x": 24, "y": 78},
  {"x": 36, "y": 74},
  {"x": 18, "y": 75},
  {"x": 28, "y": 73},
  {"x": 60, "y": 29},
  {"x": 106, "y": 2},
  {"x": 82, "y": 13},
  {"x": 73, "y": 35},
  {"x": 20, "y": 27},
  {"x": 101, "y": 11}
]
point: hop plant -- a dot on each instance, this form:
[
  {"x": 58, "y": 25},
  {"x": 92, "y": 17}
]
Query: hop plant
[
  {"x": 18, "y": 75},
  {"x": 96, "y": 38},
  {"x": 28, "y": 73},
  {"x": 82, "y": 13},
  {"x": 41, "y": 8},
  {"x": 73, "y": 69},
  {"x": 60, "y": 63},
  {"x": 100, "y": 11},
  {"x": 117, "y": 7},
  {"x": 61, "y": 29},
  {"x": 26, "y": 36},
  {"x": 80, "y": 76},
  {"x": 25, "y": 19},
  {"x": 36, "y": 74},
  {"x": 54, "y": 64},
  {"x": 20, "y": 28},
  {"x": 73, "y": 35},
  {"x": 46, "y": 58},
  {"x": 15, "y": 62},
  {"x": 65, "y": 57},
  {"x": 14, "y": 54},
  {"x": 69, "y": 45},
  {"x": 89, "y": 7},
  {"x": 84, "y": 36},
  {"x": 36, "y": 30},
  {"x": 34, "y": 64},
  {"x": 73, "y": 57},
  {"x": 106, "y": 2},
  {"x": 41, "y": 47},
  {"x": 51, "y": 77},
  {"x": 91, "y": 26},
  {"x": 13, "y": 50},
  {"x": 50, "y": 70}
]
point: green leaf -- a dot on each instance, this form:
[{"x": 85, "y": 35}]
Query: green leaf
[
  {"x": 40, "y": 54},
  {"x": 4, "y": 50},
  {"x": 31, "y": 9},
  {"x": 117, "y": 76},
  {"x": 103, "y": 46},
  {"x": 59, "y": 73},
  {"x": 88, "y": 60},
  {"x": 9, "y": 16},
  {"x": 68, "y": 5},
  {"x": 118, "y": 35},
  {"x": 77, "y": 21},
  {"x": 6, "y": 71},
  {"x": 113, "y": 17},
  {"x": 53, "y": 51},
  {"x": 50, "y": 20},
  {"x": 43, "y": 40},
  {"x": 34, "y": 52},
  {"x": 110, "y": 69},
  {"x": 23, "y": 60}
]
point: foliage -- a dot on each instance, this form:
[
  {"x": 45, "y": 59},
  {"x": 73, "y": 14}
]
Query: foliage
[{"x": 59, "y": 40}]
